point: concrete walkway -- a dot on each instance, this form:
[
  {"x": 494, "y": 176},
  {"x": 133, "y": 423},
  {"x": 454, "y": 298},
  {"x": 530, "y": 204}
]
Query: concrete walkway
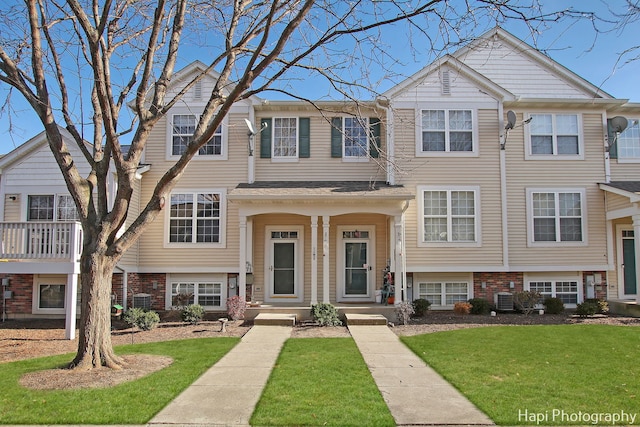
[
  {"x": 414, "y": 393},
  {"x": 228, "y": 392}
]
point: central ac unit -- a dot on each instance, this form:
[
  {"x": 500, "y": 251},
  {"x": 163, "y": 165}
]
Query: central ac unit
[
  {"x": 504, "y": 301},
  {"x": 142, "y": 301}
]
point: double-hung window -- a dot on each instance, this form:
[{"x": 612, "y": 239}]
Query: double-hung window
[
  {"x": 355, "y": 138},
  {"x": 628, "y": 141},
  {"x": 183, "y": 127},
  {"x": 51, "y": 207},
  {"x": 449, "y": 215},
  {"x": 447, "y": 131},
  {"x": 556, "y": 216},
  {"x": 444, "y": 293},
  {"x": 196, "y": 217},
  {"x": 565, "y": 290},
  {"x": 554, "y": 135},
  {"x": 206, "y": 294},
  {"x": 285, "y": 138}
]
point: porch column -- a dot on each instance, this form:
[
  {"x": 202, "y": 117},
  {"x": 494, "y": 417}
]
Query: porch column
[
  {"x": 71, "y": 302},
  {"x": 325, "y": 259},
  {"x": 314, "y": 259},
  {"x": 636, "y": 246},
  {"x": 399, "y": 254},
  {"x": 242, "y": 268}
]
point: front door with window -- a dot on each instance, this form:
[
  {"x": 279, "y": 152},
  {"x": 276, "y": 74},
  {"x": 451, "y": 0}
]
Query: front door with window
[
  {"x": 283, "y": 263},
  {"x": 355, "y": 267},
  {"x": 629, "y": 286}
]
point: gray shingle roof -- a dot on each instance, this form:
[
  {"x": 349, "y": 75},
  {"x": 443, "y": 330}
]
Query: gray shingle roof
[{"x": 319, "y": 189}]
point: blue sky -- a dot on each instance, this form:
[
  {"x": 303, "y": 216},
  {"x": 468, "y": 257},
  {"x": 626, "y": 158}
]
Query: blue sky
[{"x": 573, "y": 45}]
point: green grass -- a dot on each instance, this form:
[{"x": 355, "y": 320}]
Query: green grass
[
  {"x": 134, "y": 402},
  {"x": 321, "y": 382},
  {"x": 506, "y": 371}
]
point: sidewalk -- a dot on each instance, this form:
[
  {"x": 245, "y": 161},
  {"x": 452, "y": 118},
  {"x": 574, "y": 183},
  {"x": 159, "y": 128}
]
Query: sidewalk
[
  {"x": 228, "y": 392},
  {"x": 414, "y": 393}
]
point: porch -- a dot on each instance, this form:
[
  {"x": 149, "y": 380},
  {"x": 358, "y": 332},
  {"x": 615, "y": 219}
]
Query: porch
[{"x": 303, "y": 313}]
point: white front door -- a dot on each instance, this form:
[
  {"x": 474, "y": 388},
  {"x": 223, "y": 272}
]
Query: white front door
[
  {"x": 284, "y": 264},
  {"x": 355, "y": 269}
]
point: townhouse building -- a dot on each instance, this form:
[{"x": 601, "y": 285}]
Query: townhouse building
[{"x": 492, "y": 170}]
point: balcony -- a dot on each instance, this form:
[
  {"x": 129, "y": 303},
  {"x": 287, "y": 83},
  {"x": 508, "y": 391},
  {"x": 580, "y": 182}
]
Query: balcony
[{"x": 39, "y": 242}]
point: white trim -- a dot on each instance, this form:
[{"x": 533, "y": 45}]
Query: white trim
[
  {"x": 298, "y": 294},
  {"x": 284, "y": 159},
  {"x": 528, "y": 155},
  {"x": 477, "y": 215},
  {"x": 552, "y": 277},
  {"x": 41, "y": 279},
  {"x": 341, "y": 296},
  {"x": 620, "y": 260},
  {"x": 556, "y": 191},
  {"x": 178, "y": 111},
  {"x": 475, "y": 140},
  {"x": 443, "y": 278},
  {"x": 357, "y": 159},
  {"x": 222, "y": 243},
  {"x": 216, "y": 278}
]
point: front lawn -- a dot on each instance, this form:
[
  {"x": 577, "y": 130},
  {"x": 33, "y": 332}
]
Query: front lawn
[
  {"x": 135, "y": 402},
  {"x": 321, "y": 382},
  {"x": 556, "y": 374}
]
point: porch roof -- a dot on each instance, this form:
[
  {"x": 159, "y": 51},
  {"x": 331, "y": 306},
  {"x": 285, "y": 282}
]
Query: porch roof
[
  {"x": 309, "y": 190},
  {"x": 630, "y": 189}
]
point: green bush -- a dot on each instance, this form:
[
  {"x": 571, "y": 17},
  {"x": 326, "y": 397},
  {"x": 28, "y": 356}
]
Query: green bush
[
  {"x": 553, "y": 305},
  {"x": 603, "y": 306},
  {"x": 192, "y": 313},
  {"x": 480, "y": 306},
  {"x": 145, "y": 320},
  {"x": 587, "y": 308},
  {"x": 421, "y": 306},
  {"x": 325, "y": 314}
]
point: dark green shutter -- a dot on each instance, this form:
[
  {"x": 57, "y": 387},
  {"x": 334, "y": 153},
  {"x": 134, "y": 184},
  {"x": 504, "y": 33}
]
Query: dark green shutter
[
  {"x": 374, "y": 145},
  {"x": 336, "y": 137},
  {"x": 613, "y": 143},
  {"x": 265, "y": 139},
  {"x": 304, "y": 136}
]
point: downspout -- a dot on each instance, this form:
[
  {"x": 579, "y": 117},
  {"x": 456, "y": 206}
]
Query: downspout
[
  {"x": 607, "y": 147},
  {"x": 503, "y": 190},
  {"x": 251, "y": 164},
  {"x": 403, "y": 247},
  {"x": 125, "y": 285},
  {"x": 390, "y": 160}
]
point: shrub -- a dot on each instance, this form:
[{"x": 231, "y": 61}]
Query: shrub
[
  {"x": 404, "y": 310},
  {"x": 192, "y": 313},
  {"x": 587, "y": 308},
  {"x": 462, "y": 308},
  {"x": 421, "y": 306},
  {"x": 526, "y": 301},
  {"x": 325, "y": 314},
  {"x": 480, "y": 306},
  {"x": 145, "y": 320},
  {"x": 553, "y": 305},
  {"x": 603, "y": 306},
  {"x": 236, "y": 306}
]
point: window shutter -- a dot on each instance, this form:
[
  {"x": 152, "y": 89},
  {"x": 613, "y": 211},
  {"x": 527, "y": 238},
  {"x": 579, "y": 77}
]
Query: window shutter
[
  {"x": 265, "y": 139},
  {"x": 336, "y": 137},
  {"x": 374, "y": 145},
  {"x": 613, "y": 147},
  {"x": 304, "y": 135}
]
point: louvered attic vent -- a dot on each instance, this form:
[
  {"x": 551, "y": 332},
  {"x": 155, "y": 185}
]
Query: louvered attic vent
[{"x": 446, "y": 83}]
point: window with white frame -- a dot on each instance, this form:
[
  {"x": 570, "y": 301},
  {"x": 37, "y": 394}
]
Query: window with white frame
[
  {"x": 449, "y": 215},
  {"x": 51, "y": 207},
  {"x": 566, "y": 290},
  {"x": 447, "y": 131},
  {"x": 206, "y": 294},
  {"x": 51, "y": 296},
  {"x": 285, "y": 137},
  {"x": 356, "y": 137},
  {"x": 557, "y": 216},
  {"x": 628, "y": 141},
  {"x": 444, "y": 293},
  {"x": 195, "y": 217},
  {"x": 183, "y": 127},
  {"x": 554, "y": 135}
]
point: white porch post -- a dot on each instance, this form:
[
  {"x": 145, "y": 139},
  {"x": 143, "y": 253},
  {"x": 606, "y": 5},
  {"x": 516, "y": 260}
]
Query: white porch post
[
  {"x": 636, "y": 246},
  {"x": 399, "y": 254},
  {"x": 242, "y": 268},
  {"x": 314, "y": 259},
  {"x": 325, "y": 259},
  {"x": 71, "y": 301}
]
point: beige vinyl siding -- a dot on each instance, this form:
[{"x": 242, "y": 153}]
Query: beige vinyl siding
[
  {"x": 625, "y": 171},
  {"x": 515, "y": 71},
  {"x": 482, "y": 171},
  {"x": 200, "y": 174},
  {"x": 551, "y": 174},
  {"x": 616, "y": 202},
  {"x": 430, "y": 88},
  {"x": 12, "y": 208},
  {"x": 320, "y": 166}
]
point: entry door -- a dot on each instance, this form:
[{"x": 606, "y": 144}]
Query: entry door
[
  {"x": 283, "y": 264},
  {"x": 355, "y": 270},
  {"x": 629, "y": 263},
  {"x": 284, "y": 268}
]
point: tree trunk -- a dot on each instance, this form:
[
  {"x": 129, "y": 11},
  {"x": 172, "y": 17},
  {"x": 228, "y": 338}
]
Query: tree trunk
[{"x": 94, "y": 344}]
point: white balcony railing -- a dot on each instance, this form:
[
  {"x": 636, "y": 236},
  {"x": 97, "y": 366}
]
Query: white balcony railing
[{"x": 40, "y": 240}]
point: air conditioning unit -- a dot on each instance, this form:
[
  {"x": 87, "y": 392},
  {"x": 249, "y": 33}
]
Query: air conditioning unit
[
  {"x": 504, "y": 301},
  {"x": 142, "y": 301}
]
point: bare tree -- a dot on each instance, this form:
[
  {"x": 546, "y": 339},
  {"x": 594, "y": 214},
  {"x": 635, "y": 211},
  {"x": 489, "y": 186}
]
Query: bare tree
[{"x": 81, "y": 64}]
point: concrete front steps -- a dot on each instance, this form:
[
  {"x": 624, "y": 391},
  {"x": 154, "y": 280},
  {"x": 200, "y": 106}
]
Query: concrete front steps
[
  {"x": 303, "y": 313},
  {"x": 289, "y": 319}
]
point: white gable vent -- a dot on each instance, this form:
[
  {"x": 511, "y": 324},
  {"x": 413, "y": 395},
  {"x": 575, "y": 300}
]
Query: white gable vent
[
  {"x": 197, "y": 90},
  {"x": 446, "y": 82},
  {"x": 504, "y": 301}
]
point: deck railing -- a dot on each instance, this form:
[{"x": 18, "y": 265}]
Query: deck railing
[{"x": 35, "y": 240}]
